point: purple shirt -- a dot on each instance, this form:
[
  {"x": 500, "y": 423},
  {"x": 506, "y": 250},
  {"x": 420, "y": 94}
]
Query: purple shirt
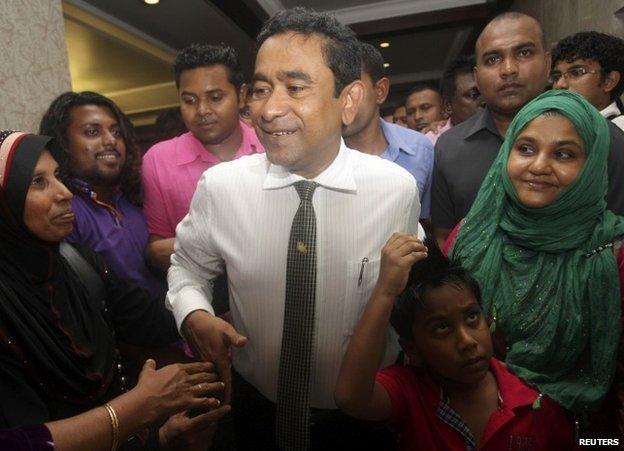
[{"x": 118, "y": 232}]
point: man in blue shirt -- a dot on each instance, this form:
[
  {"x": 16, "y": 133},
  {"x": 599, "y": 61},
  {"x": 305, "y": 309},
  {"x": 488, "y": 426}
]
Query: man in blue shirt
[{"x": 369, "y": 133}]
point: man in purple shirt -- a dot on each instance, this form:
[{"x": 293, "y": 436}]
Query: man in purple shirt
[
  {"x": 370, "y": 134},
  {"x": 104, "y": 168}
]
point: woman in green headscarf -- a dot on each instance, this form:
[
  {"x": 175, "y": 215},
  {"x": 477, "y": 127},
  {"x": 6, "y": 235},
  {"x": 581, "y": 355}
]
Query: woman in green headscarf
[{"x": 540, "y": 240}]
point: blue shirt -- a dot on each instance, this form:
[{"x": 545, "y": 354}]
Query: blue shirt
[{"x": 414, "y": 152}]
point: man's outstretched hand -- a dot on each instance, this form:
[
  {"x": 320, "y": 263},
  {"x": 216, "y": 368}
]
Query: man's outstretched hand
[{"x": 210, "y": 338}]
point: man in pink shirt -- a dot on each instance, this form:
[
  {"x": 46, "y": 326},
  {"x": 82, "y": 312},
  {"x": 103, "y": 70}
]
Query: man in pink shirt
[{"x": 211, "y": 90}]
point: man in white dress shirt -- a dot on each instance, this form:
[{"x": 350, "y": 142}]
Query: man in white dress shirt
[{"x": 306, "y": 87}]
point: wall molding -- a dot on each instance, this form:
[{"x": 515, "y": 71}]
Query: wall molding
[
  {"x": 271, "y": 6},
  {"x": 145, "y": 99},
  {"x": 94, "y": 18},
  {"x": 395, "y": 8},
  {"x": 415, "y": 77}
]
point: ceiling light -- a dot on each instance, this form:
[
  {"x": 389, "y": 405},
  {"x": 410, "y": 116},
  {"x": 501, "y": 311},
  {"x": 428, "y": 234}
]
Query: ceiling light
[
  {"x": 386, "y": 64},
  {"x": 384, "y": 45},
  {"x": 151, "y": 2}
]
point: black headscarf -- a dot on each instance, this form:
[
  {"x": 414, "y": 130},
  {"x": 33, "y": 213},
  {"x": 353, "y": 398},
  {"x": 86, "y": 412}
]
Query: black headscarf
[{"x": 58, "y": 335}]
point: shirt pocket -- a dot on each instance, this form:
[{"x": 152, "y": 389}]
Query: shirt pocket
[{"x": 361, "y": 279}]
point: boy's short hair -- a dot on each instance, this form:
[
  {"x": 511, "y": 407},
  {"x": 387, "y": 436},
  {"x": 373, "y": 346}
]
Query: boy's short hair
[
  {"x": 206, "y": 55},
  {"x": 433, "y": 272},
  {"x": 591, "y": 45}
]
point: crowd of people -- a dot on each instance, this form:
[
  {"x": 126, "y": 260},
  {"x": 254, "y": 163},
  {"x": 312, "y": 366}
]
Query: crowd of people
[{"x": 448, "y": 277}]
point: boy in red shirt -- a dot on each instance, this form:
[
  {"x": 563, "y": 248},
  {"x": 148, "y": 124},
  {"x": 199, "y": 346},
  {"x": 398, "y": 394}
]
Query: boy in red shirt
[{"x": 453, "y": 395}]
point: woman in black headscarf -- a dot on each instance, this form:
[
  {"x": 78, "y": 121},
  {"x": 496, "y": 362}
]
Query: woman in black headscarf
[{"x": 57, "y": 343}]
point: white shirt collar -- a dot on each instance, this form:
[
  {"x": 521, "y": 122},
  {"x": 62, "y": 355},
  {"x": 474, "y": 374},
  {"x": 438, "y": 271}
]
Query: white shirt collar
[
  {"x": 337, "y": 176},
  {"x": 611, "y": 110}
]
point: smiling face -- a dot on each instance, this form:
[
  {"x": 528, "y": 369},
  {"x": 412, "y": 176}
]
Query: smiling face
[
  {"x": 512, "y": 64},
  {"x": 209, "y": 103},
  {"x": 47, "y": 209},
  {"x": 423, "y": 108},
  {"x": 96, "y": 148},
  {"x": 451, "y": 336},
  {"x": 546, "y": 157},
  {"x": 297, "y": 117}
]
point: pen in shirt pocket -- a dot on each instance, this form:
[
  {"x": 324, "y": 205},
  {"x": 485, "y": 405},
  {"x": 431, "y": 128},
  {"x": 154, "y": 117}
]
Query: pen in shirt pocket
[{"x": 364, "y": 261}]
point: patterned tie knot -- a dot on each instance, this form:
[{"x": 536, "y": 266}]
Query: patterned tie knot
[{"x": 305, "y": 189}]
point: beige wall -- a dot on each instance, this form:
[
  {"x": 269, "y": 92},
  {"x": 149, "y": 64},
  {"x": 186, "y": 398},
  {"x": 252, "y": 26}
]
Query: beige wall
[
  {"x": 33, "y": 61},
  {"x": 561, "y": 18}
]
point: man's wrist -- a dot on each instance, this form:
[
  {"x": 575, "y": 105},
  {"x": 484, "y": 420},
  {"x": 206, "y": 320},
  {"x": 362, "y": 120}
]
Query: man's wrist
[{"x": 191, "y": 318}]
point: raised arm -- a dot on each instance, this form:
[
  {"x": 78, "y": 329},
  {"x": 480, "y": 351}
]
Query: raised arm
[{"x": 357, "y": 393}]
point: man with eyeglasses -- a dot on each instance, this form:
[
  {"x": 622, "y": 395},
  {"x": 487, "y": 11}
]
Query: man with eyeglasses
[
  {"x": 592, "y": 64},
  {"x": 512, "y": 68}
]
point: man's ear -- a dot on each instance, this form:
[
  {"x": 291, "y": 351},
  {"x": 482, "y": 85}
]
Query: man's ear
[
  {"x": 611, "y": 80},
  {"x": 351, "y": 97},
  {"x": 242, "y": 96},
  {"x": 448, "y": 108},
  {"x": 382, "y": 87},
  {"x": 411, "y": 353}
]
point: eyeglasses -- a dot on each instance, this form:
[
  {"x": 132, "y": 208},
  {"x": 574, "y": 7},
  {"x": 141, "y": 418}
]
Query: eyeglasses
[{"x": 571, "y": 74}]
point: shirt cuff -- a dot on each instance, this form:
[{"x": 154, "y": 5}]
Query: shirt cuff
[{"x": 186, "y": 301}]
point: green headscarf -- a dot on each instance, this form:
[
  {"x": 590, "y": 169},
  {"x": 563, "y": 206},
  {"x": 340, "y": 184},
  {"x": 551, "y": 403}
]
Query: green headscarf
[{"x": 558, "y": 308}]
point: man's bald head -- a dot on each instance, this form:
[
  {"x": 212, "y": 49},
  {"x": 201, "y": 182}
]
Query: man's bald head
[
  {"x": 512, "y": 64},
  {"x": 512, "y": 16}
]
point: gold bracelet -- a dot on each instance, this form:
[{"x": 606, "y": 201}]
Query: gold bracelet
[{"x": 114, "y": 424}]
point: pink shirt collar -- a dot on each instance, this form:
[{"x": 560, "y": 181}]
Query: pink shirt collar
[{"x": 190, "y": 148}]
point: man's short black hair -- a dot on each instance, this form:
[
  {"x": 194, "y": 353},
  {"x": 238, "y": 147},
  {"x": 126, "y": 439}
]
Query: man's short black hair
[
  {"x": 372, "y": 61},
  {"x": 340, "y": 49},
  {"x": 205, "y": 55},
  {"x": 460, "y": 66},
  {"x": 433, "y": 272},
  {"x": 419, "y": 87},
  {"x": 591, "y": 45}
]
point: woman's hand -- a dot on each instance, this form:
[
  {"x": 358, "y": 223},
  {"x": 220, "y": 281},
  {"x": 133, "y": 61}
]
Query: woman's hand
[
  {"x": 176, "y": 388},
  {"x": 397, "y": 257},
  {"x": 181, "y": 432}
]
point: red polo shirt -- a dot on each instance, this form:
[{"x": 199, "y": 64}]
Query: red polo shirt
[{"x": 417, "y": 404}]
